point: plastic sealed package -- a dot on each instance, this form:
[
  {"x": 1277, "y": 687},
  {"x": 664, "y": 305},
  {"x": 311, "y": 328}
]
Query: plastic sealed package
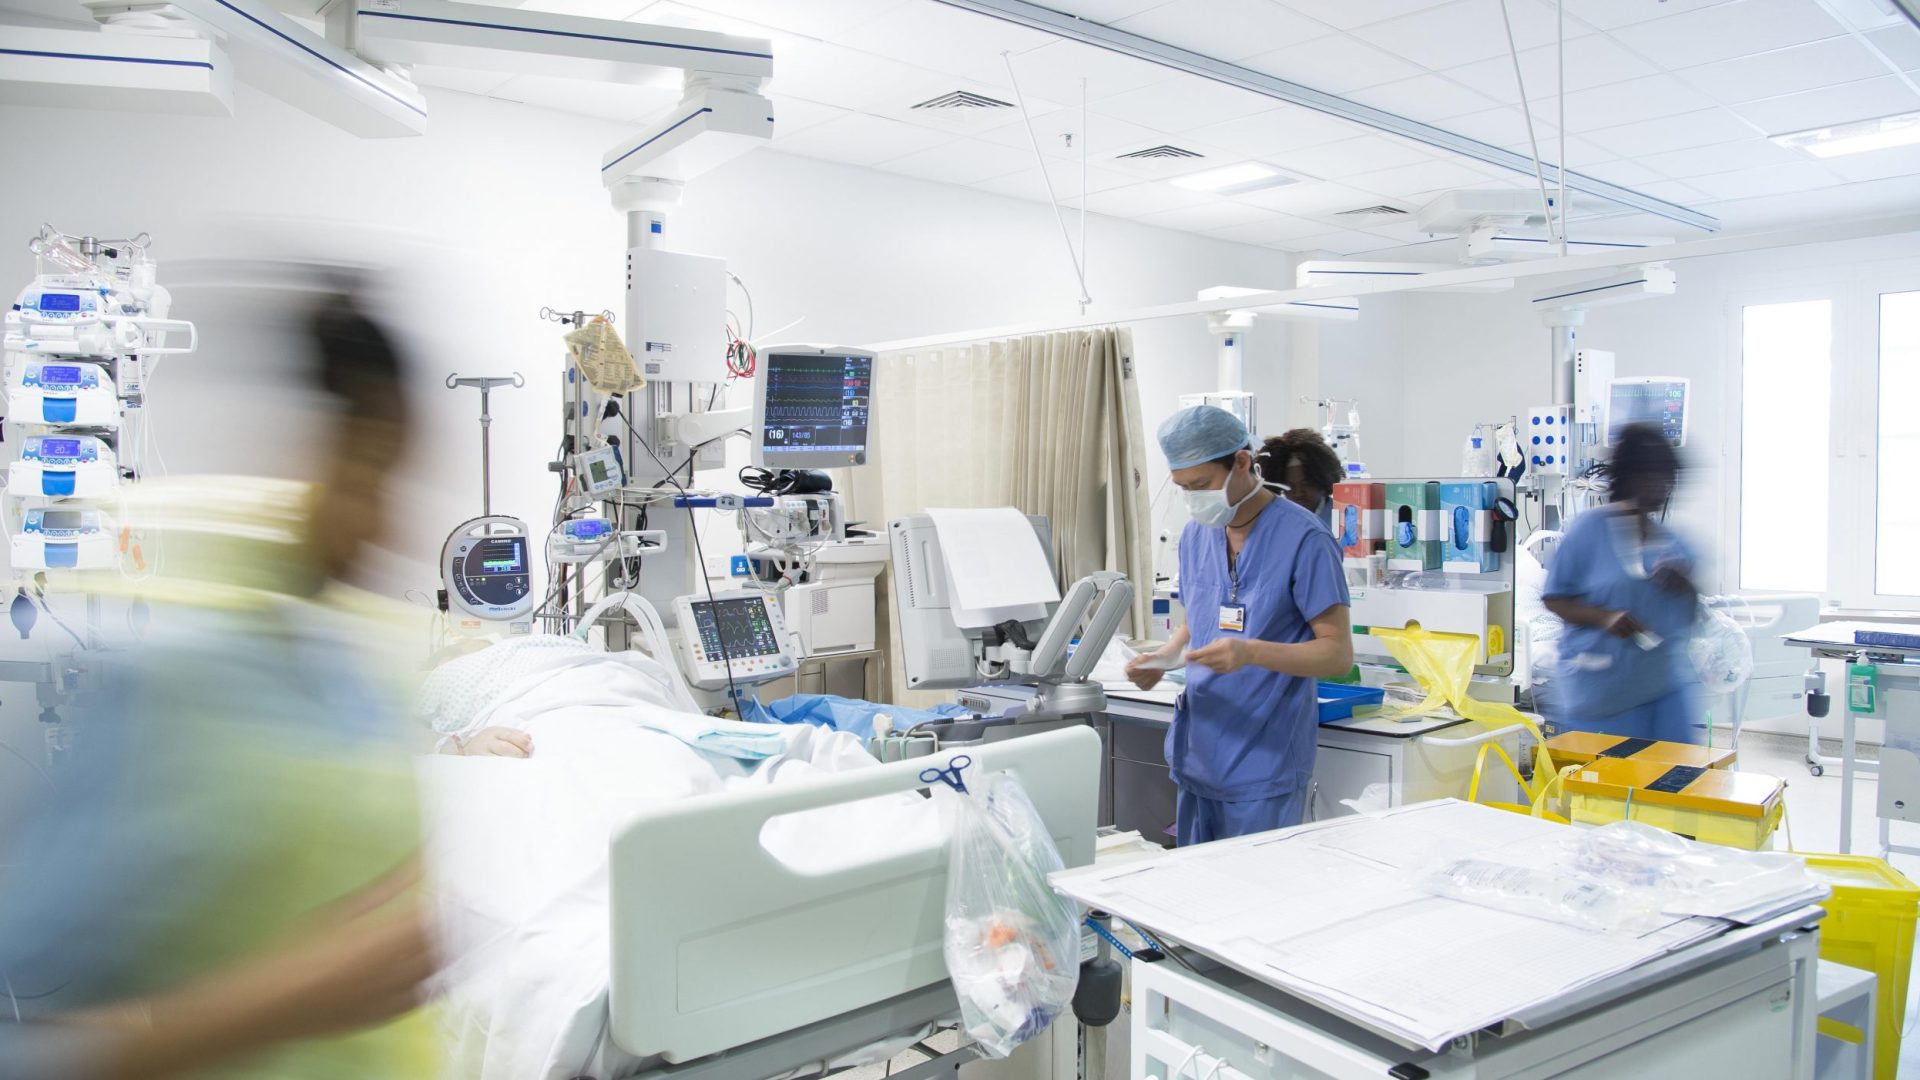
[{"x": 1012, "y": 944}]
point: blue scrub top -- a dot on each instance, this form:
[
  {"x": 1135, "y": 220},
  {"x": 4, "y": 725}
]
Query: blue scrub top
[
  {"x": 1601, "y": 675},
  {"x": 1251, "y": 734}
]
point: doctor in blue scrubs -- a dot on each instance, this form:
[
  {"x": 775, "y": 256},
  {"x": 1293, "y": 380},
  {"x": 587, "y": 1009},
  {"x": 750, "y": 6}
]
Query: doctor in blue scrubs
[
  {"x": 1623, "y": 584},
  {"x": 1266, "y": 606}
]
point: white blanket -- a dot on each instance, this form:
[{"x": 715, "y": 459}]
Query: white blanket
[{"x": 518, "y": 849}]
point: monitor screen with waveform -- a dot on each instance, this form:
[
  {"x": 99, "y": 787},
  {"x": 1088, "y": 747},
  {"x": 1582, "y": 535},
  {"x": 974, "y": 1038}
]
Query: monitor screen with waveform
[{"x": 815, "y": 408}]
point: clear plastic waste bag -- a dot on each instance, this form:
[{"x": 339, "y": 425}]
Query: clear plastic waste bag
[{"x": 1012, "y": 943}]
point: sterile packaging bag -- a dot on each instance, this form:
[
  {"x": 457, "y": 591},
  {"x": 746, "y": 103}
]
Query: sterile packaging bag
[
  {"x": 603, "y": 359},
  {"x": 1012, "y": 943}
]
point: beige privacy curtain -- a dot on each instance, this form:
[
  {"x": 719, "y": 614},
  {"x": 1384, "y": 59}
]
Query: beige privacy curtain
[{"x": 1048, "y": 423}]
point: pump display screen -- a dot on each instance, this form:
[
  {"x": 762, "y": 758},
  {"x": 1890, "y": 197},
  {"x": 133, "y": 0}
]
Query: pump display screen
[
  {"x": 734, "y": 629},
  {"x": 60, "y": 374},
  {"x": 495, "y": 571},
  {"x": 60, "y": 520},
  {"x": 590, "y": 529},
  {"x": 1661, "y": 402},
  {"x": 56, "y": 301},
  {"x": 816, "y": 404},
  {"x": 58, "y": 448}
]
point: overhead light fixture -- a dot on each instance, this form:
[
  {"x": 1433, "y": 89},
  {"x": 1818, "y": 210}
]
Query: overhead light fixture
[
  {"x": 1233, "y": 179},
  {"x": 1858, "y": 137}
]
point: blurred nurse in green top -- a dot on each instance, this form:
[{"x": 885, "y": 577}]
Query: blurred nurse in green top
[{"x": 223, "y": 883}]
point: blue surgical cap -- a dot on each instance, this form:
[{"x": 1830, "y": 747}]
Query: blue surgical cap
[{"x": 1202, "y": 433}]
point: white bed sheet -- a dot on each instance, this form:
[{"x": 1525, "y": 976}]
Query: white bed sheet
[{"x": 518, "y": 853}]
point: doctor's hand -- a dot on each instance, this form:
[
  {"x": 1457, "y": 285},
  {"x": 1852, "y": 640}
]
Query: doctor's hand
[
  {"x": 498, "y": 742},
  {"x": 1229, "y": 654},
  {"x": 1146, "y": 678},
  {"x": 1621, "y": 624}
]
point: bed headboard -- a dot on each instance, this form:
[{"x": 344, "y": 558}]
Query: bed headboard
[{"x": 717, "y": 944}]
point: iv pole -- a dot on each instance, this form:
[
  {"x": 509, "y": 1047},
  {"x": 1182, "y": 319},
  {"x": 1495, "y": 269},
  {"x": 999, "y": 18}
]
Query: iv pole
[{"x": 485, "y": 384}]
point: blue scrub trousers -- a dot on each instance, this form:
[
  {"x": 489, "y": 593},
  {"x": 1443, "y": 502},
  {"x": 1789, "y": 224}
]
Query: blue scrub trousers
[
  {"x": 1674, "y": 717},
  {"x": 1198, "y": 820}
]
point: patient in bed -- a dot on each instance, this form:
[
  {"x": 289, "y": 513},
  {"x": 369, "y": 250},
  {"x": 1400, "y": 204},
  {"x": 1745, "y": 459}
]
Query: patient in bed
[{"x": 519, "y": 840}]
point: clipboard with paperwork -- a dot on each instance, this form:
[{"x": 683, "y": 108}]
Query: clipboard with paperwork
[{"x": 1335, "y": 914}]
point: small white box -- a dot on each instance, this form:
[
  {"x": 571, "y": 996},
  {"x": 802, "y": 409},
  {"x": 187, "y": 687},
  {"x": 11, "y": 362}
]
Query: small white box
[
  {"x": 1547, "y": 439},
  {"x": 676, "y": 314}
]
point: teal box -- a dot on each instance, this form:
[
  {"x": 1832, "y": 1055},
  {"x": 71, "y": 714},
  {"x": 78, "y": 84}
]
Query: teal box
[
  {"x": 1466, "y": 519},
  {"x": 1414, "y": 535}
]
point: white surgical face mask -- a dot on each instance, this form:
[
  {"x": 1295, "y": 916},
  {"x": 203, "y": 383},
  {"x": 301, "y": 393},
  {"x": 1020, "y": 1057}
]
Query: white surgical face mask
[{"x": 1209, "y": 506}]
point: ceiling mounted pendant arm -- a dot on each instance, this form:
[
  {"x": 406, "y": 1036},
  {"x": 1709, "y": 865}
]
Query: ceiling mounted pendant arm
[
  {"x": 1079, "y": 271},
  {"x": 1560, "y": 96},
  {"x": 1039, "y": 17},
  {"x": 1526, "y": 108}
]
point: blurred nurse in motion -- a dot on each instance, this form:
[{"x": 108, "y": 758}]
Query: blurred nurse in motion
[
  {"x": 224, "y": 881},
  {"x": 1624, "y": 585}
]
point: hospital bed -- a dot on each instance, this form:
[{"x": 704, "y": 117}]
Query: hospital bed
[{"x": 726, "y": 961}]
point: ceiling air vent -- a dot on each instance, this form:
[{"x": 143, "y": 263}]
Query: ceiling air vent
[
  {"x": 961, "y": 99},
  {"x": 1381, "y": 211},
  {"x": 1162, "y": 153}
]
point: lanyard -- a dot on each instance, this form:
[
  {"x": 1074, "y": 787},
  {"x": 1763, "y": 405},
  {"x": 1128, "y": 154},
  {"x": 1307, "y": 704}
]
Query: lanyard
[{"x": 1233, "y": 569}]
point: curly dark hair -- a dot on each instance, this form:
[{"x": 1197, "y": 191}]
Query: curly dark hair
[
  {"x": 1642, "y": 456},
  {"x": 1322, "y": 465}
]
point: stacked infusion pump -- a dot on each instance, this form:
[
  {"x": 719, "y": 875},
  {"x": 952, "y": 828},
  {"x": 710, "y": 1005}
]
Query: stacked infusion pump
[{"x": 80, "y": 342}]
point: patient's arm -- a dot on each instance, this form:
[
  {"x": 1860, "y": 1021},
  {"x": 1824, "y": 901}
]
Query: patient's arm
[{"x": 491, "y": 742}]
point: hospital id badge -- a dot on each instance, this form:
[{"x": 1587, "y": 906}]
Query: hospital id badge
[{"x": 1233, "y": 617}]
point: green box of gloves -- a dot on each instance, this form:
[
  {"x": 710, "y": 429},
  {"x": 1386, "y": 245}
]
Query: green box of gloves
[{"x": 1413, "y": 526}]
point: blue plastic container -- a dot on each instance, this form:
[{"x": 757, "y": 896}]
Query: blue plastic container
[{"x": 1338, "y": 700}]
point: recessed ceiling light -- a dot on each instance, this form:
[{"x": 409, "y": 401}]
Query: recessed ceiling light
[
  {"x": 1856, "y": 138},
  {"x": 1233, "y": 179}
]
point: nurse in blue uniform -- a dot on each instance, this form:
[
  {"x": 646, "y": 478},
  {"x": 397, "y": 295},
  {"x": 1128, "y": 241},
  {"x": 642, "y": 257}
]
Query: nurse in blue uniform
[
  {"x": 1622, "y": 582},
  {"x": 1266, "y": 616}
]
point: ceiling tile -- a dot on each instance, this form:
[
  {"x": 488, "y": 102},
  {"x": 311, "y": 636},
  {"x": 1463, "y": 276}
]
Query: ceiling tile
[
  {"x": 1147, "y": 198},
  {"x": 1054, "y": 70},
  {"x": 859, "y": 139},
  {"x": 1334, "y": 65},
  {"x": 1624, "y": 173},
  {"x": 1625, "y": 103},
  {"x": 610, "y": 101},
  {"x": 1184, "y": 104},
  {"x": 1704, "y": 128},
  {"x": 1753, "y": 153},
  {"x": 1862, "y": 100},
  {"x": 1218, "y": 214},
  {"x": 1466, "y": 31},
  {"x": 1347, "y": 14},
  {"x": 1728, "y": 30},
  {"x": 1594, "y": 60},
  {"x": 1343, "y": 242},
  {"x": 793, "y": 115},
  {"x": 1273, "y": 229},
  {"x": 587, "y": 9},
  {"x": 941, "y": 38},
  {"x": 1027, "y": 183},
  {"x": 1063, "y": 132},
  {"x": 1277, "y": 131},
  {"x": 1309, "y": 200},
  {"x": 1427, "y": 98},
  {"x": 1368, "y": 153},
  {"x": 1877, "y": 165},
  {"x": 1901, "y": 44},
  {"x": 965, "y": 161},
  {"x": 1786, "y": 71},
  {"x": 1674, "y": 191},
  {"x": 820, "y": 18},
  {"x": 1611, "y": 14},
  {"x": 1225, "y": 29},
  {"x": 1772, "y": 180},
  {"x": 835, "y": 75},
  {"x": 1426, "y": 176},
  {"x": 1106, "y": 12},
  {"x": 1578, "y": 150},
  {"x": 464, "y": 80}
]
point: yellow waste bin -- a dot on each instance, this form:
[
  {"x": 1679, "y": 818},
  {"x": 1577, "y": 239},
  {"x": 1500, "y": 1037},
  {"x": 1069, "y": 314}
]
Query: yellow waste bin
[{"x": 1869, "y": 925}]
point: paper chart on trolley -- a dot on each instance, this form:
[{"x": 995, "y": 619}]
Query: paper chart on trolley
[{"x": 1333, "y": 913}]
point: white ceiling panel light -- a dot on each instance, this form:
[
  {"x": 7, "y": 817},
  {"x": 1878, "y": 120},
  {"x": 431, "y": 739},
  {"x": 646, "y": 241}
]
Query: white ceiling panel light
[
  {"x": 1240, "y": 178},
  {"x": 1884, "y": 133}
]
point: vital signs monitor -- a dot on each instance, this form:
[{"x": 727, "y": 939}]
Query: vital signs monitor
[
  {"x": 1660, "y": 400},
  {"x": 812, "y": 407}
]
